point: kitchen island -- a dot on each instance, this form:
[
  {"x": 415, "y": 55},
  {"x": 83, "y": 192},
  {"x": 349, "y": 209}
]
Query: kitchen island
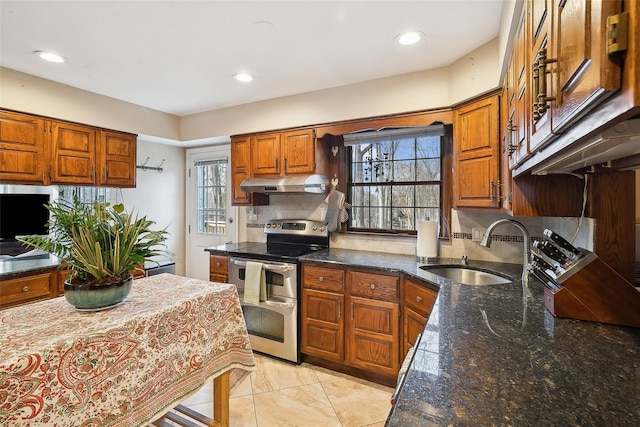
[
  {"x": 488, "y": 356},
  {"x": 123, "y": 366}
]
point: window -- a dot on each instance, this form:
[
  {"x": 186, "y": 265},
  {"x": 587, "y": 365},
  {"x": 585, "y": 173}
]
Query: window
[
  {"x": 395, "y": 178},
  {"x": 211, "y": 196},
  {"x": 87, "y": 195}
]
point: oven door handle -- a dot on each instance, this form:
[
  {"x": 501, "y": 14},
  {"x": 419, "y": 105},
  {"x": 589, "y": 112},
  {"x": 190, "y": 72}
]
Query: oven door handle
[
  {"x": 273, "y": 267},
  {"x": 279, "y": 304}
]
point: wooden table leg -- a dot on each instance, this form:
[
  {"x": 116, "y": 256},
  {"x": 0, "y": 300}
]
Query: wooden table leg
[{"x": 221, "y": 399}]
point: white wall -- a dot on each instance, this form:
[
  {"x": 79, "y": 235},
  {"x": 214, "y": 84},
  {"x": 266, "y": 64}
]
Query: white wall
[
  {"x": 474, "y": 74},
  {"x": 160, "y": 196}
]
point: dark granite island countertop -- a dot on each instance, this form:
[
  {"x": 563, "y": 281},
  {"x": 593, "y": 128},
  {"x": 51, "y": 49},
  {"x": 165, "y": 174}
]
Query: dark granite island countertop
[{"x": 489, "y": 357}]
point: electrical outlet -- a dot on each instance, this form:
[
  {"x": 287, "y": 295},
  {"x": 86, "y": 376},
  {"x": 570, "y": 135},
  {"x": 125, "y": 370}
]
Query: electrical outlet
[{"x": 477, "y": 233}]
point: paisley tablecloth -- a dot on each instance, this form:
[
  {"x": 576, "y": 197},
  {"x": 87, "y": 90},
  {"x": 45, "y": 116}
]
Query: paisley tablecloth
[{"x": 124, "y": 366}]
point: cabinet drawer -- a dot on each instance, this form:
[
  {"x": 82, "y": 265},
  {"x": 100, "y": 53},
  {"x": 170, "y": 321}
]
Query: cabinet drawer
[
  {"x": 381, "y": 286},
  {"x": 218, "y": 265},
  {"x": 23, "y": 289},
  {"x": 323, "y": 278},
  {"x": 418, "y": 297}
]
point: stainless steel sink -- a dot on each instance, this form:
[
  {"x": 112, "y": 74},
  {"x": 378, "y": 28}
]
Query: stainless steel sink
[{"x": 467, "y": 276}]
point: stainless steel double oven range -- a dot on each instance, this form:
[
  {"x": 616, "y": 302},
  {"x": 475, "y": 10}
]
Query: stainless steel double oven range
[{"x": 274, "y": 324}]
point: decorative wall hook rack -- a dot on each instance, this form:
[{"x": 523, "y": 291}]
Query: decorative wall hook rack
[{"x": 145, "y": 168}]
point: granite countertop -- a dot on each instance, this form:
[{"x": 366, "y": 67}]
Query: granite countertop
[
  {"x": 16, "y": 266},
  {"x": 490, "y": 357},
  {"x": 231, "y": 247}
]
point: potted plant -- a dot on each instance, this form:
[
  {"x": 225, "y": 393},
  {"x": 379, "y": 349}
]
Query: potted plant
[{"x": 101, "y": 245}]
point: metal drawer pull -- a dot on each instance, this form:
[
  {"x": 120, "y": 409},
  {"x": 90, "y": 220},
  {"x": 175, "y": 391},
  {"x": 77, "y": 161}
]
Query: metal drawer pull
[
  {"x": 320, "y": 279},
  {"x": 218, "y": 264},
  {"x": 25, "y": 289},
  {"x": 372, "y": 286},
  {"x": 419, "y": 298}
]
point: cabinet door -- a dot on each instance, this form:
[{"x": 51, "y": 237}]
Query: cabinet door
[
  {"x": 240, "y": 168},
  {"x": 586, "y": 74},
  {"x": 117, "y": 159},
  {"x": 414, "y": 324},
  {"x": 322, "y": 324},
  {"x": 73, "y": 156},
  {"x": 298, "y": 151},
  {"x": 520, "y": 120},
  {"x": 22, "y": 149},
  {"x": 265, "y": 155},
  {"x": 218, "y": 268},
  {"x": 477, "y": 157},
  {"x": 541, "y": 47},
  {"x": 373, "y": 335}
]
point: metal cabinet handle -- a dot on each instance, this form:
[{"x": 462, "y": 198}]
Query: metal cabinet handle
[
  {"x": 320, "y": 279},
  {"x": 218, "y": 264},
  {"x": 419, "y": 298},
  {"x": 543, "y": 99},
  {"x": 535, "y": 69},
  {"x": 492, "y": 188},
  {"x": 277, "y": 165},
  {"x": 105, "y": 173},
  {"x": 372, "y": 286},
  {"x": 351, "y": 311},
  {"x": 339, "y": 309},
  {"x": 511, "y": 147},
  {"x": 25, "y": 289}
]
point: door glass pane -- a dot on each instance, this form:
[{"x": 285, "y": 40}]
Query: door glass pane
[{"x": 211, "y": 197}]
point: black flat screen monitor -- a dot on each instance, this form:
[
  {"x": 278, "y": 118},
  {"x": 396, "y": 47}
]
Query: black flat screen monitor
[{"x": 23, "y": 214}]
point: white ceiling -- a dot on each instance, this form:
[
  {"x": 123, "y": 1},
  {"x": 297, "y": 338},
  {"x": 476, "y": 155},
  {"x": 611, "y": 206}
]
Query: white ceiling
[{"x": 179, "y": 56}]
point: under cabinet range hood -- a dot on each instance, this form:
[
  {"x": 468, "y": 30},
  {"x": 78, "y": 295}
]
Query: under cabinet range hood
[
  {"x": 617, "y": 142},
  {"x": 318, "y": 184}
]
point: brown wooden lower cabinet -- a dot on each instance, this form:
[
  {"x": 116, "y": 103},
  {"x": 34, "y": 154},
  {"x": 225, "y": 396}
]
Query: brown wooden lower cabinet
[
  {"x": 26, "y": 289},
  {"x": 351, "y": 320},
  {"x": 323, "y": 324},
  {"x": 373, "y": 335},
  {"x": 418, "y": 303},
  {"x": 218, "y": 268}
]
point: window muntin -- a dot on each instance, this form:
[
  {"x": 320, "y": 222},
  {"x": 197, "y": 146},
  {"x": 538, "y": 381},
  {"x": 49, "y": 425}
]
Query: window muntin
[
  {"x": 395, "y": 183},
  {"x": 211, "y": 196}
]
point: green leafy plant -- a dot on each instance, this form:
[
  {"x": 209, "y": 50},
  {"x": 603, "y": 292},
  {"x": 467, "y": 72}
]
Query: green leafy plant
[{"x": 99, "y": 243}]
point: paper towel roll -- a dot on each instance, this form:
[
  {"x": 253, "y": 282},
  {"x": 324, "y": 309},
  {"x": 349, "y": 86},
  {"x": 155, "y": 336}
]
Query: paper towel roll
[{"x": 427, "y": 245}]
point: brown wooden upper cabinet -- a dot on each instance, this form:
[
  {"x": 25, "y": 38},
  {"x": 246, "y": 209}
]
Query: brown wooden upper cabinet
[
  {"x": 117, "y": 159},
  {"x": 283, "y": 153},
  {"x": 37, "y": 150},
  {"x": 571, "y": 71},
  {"x": 241, "y": 169},
  {"x": 477, "y": 154},
  {"x": 22, "y": 158}
]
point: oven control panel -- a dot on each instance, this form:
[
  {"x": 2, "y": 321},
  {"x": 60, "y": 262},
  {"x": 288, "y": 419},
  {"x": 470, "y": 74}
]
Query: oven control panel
[{"x": 296, "y": 226}]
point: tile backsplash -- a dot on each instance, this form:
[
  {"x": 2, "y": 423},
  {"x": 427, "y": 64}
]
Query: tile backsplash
[{"x": 507, "y": 239}]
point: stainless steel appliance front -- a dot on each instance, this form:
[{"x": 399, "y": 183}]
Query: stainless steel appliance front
[{"x": 273, "y": 323}]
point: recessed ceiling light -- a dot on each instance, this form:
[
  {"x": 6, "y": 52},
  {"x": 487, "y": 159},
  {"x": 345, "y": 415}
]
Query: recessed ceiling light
[
  {"x": 243, "y": 77},
  {"x": 49, "y": 56},
  {"x": 409, "y": 37}
]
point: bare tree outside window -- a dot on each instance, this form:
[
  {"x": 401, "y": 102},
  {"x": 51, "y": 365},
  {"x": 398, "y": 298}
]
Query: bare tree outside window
[
  {"x": 211, "y": 196},
  {"x": 395, "y": 183}
]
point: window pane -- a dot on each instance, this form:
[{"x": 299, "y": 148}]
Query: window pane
[
  {"x": 404, "y": 170},
  {"x": 211, "y": 197},
  {"x": 428, "y": 170},
  {"x": 405, "y": 149}
]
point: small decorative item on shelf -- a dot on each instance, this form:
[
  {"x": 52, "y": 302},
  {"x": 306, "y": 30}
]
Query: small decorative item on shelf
[{"x": 101, "y": 245}]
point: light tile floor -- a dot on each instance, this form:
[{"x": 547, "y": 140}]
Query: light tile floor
[{"x": 283, "y": 394}]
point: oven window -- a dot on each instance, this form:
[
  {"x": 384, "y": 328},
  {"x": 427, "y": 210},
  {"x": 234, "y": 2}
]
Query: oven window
[
  {"x": 272, "y": 278},
  {"x": 264, "y": 323}
]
